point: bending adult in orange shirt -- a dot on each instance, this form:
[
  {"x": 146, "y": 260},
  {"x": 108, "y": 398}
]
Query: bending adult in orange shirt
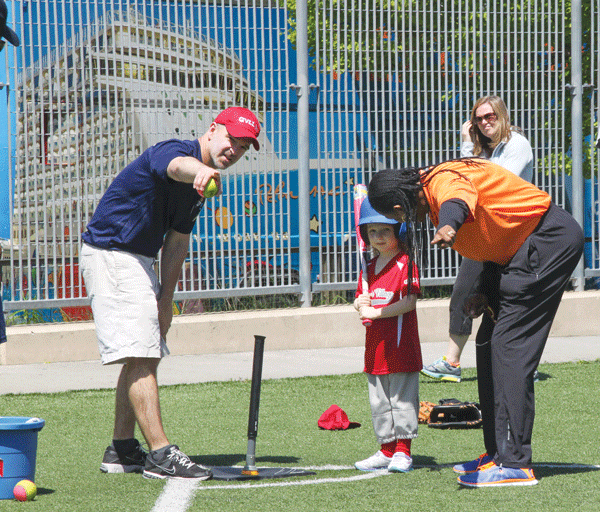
[
  {"x": 488, "y": 134},
  {"x": 530, "y": 248}
]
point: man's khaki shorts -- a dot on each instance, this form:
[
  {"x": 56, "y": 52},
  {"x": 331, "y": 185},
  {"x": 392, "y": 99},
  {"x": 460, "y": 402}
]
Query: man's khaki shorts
[{"x": 123, "y": 289}]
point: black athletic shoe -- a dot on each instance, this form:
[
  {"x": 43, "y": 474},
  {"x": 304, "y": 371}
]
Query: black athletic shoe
[
  {"x": 174, "y": 464},
  {"x": 132, "y": 462}
]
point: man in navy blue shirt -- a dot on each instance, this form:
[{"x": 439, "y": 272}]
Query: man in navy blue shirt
[{"x": 151, "y": 205}]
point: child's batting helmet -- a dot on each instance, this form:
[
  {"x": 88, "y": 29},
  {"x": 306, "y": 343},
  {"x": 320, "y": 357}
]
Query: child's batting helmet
[{"x": 369, "y": 216}]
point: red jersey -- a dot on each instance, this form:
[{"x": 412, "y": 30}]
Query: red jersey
[{"x": 392, "y": 344}]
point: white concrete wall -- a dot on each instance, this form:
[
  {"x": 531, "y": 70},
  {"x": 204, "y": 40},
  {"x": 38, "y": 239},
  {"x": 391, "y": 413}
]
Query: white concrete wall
[{"x": 284, "y": 329}]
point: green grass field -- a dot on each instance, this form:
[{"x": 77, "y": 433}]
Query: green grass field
[{"x": 209, "y": 422}]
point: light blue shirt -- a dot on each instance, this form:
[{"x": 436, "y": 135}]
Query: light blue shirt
[{"x": 515, "y": 155}]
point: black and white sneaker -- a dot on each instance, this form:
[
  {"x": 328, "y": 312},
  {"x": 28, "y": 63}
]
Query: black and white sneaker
[
  {"x": 169, "y": 462},
  {"x": 132, "y": 462}
]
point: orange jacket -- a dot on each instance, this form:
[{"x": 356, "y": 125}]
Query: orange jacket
[{"x": 503, "y": 208}]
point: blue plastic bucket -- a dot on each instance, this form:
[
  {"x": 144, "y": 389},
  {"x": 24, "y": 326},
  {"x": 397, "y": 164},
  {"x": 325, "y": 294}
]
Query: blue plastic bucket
[{"x": 18, "y": 450}]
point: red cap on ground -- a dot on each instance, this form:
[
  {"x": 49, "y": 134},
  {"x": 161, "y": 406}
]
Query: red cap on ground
[
  {"x": 335, "y": 418},
  {"x": 240, "y": 123}
]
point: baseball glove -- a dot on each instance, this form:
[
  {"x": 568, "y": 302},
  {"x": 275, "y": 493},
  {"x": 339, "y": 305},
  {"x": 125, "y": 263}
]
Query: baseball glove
[
  {"x": 425, "y": 411},
  {"x": 452, "y": 413}
]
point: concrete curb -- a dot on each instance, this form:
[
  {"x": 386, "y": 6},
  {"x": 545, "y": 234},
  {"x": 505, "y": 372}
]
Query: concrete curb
[{"x": 291, "y": 329}]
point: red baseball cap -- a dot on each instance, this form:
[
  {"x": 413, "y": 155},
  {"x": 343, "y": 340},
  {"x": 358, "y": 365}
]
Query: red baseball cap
[
  {"x": 335, "y": 418},
  {"x": 240, "y": 123}
]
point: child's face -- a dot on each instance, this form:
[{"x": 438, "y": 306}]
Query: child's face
[{"x": 382, "y": 238}]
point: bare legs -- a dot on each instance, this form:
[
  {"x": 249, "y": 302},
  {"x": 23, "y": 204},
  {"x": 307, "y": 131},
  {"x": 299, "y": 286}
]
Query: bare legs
[
  {"x": 137, "y": 401},
  {"x": 456, "y": 344}
]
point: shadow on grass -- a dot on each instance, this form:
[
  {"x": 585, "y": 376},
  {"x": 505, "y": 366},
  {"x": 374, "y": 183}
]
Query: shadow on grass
[
  {"x": 42, "y": 491},
  {"x": 550, "y": 469},
  {"x": 541, "y": 377},
  {"x": 234, "y": 459},
  {"x": 425, "y": 462}
]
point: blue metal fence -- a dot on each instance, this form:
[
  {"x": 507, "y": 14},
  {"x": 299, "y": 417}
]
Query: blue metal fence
[{"x": 95, "y": 82}]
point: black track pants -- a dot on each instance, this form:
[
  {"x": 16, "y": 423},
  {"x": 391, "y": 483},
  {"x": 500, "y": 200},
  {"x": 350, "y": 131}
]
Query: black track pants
[
  {"x": 466, "y": 284},
  {"x": 525, "y": 295}
]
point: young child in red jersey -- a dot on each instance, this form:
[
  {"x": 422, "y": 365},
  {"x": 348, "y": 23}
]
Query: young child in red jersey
[{"x": 392, "y": 349}]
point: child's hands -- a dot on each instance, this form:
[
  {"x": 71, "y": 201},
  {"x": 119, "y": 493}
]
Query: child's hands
[
  {"x": 362, "y": 301},
  {"x": 369, "y": 313}
]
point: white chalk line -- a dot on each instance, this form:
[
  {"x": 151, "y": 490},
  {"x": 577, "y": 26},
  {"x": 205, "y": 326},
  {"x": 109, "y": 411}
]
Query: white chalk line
[
  {"x": 290, "y": 483},
  {"x": 177, "y": 495}
]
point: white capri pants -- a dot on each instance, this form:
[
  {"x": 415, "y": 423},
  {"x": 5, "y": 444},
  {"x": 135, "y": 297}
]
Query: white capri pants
[
  {"x": 394, "y": 402},
  {"x": 123, "y": 290}
]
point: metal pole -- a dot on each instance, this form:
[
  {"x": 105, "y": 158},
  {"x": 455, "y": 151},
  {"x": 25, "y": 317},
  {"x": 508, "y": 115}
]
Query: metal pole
[
  {"x": 6, "y": 62},
  {"x": 302, "y": 91},
  {"x": 577, "y": 129}
]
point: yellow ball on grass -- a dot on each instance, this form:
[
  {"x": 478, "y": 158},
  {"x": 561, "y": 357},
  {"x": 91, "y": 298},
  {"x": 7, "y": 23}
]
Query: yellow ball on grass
[{"x": 25, "y": 490}]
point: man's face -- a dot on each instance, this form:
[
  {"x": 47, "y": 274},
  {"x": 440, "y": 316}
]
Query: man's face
[{"x": 225, "y": 150}]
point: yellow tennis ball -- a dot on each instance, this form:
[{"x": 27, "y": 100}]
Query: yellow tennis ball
[
  {"x": 25, "y": 490},
  {"x": 211, "y": 189}
]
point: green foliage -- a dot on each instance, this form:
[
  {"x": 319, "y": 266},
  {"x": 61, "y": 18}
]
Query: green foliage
[
  {"x": 356, "y": 38},
  {"x": 419, "y": 69},
  {"x": 24, "y": 316},
  {"x": 555, "y": 162},
  {"x": 368, "y": 37}
]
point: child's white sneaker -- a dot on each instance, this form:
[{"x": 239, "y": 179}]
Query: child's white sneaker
[
  {"x": 400, "y": 463},
  {"x": 374, "y": 462}
]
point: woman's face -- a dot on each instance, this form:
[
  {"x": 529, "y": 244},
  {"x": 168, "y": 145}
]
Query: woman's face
[
  {"x": 487, "y": 120},
  {"x": 422, "y": 209}
]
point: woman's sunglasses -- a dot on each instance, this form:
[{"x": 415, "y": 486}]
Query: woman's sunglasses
[{"x": 488, "y": 118}]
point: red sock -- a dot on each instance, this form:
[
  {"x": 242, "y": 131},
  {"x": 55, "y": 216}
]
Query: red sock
[
  {"x": 388, "y": 448},
  {"x": 403, "y": 445}
]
